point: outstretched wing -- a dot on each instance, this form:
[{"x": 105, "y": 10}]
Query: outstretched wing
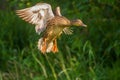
[
  {"x": 66, "y": 30},
  {"x": 38, "y": 15}
]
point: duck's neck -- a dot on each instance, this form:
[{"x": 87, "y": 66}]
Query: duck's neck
[{"x": 74, "y": 23}]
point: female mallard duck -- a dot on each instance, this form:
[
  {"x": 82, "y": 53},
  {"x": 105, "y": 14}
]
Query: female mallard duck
[{"x": 52, "y": 24}]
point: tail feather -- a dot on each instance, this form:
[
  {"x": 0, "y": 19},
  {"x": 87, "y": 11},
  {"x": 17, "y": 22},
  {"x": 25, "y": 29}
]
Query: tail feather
[
  {"x": 49, "y": 48},
  {"x": 41, "y": 45}
]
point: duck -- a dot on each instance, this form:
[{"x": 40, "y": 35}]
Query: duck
[{"x": 51, "y": 23}]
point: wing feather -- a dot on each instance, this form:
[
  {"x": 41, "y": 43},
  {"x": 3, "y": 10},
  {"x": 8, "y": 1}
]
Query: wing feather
[
  {"x": 38, "y": 15},
  {"x": 68, "y": 31}
]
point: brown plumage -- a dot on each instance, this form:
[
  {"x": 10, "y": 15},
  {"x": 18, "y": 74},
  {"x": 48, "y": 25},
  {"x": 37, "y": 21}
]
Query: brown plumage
[{"x": 53, "y": 25}]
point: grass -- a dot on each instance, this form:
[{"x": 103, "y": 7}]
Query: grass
[{"x": 89, "y": 54}]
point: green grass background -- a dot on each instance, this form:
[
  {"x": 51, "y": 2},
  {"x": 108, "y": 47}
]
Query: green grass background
[{"x": 91, "y": 53}]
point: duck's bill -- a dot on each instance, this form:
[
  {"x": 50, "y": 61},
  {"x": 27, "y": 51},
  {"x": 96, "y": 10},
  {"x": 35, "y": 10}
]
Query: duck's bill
[{"x": 84, "y": 25}]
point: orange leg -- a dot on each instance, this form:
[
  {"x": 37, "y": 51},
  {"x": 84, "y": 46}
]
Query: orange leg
[
  {"x": 43, "y": 50},
  {"x": 54, "y": 48}
]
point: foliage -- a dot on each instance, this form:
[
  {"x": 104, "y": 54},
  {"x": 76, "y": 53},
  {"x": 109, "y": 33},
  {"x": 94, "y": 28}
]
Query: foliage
[{"x": 91, "y": 53}]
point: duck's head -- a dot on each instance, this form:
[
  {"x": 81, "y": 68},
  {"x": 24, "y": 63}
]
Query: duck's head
[{"x": 78, "y": 22}]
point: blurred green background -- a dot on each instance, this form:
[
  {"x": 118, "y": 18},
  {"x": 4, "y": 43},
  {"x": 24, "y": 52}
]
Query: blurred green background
[{"x": 91, "y": 53}]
